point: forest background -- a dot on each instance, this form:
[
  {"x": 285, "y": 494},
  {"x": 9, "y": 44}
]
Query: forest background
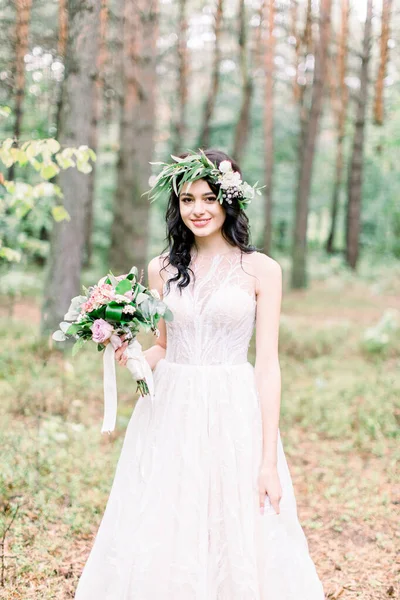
[{"x": 306, "y": 95}]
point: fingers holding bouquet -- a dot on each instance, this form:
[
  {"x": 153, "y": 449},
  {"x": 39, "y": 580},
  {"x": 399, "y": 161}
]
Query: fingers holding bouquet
[{"x": 120, "y": 354}]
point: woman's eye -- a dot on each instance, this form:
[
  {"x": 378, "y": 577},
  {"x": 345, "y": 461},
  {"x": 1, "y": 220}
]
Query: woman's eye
[{"x": 186, "y": 200}]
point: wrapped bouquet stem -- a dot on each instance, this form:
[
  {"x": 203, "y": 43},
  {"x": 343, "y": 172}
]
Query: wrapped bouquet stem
[{"x": 140, "y": 371}]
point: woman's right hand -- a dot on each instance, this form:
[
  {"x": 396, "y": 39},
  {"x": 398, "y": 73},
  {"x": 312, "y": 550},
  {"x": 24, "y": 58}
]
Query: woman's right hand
[
  {"x": 120, "y": 351},
  {"x": 119, "y": 354}
]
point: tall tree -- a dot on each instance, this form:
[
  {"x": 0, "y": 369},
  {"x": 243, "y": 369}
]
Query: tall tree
[
  {"x": 204, "y": 138},
  {"x": 67, "y": 238},
  {"x": 61, "y": 48},
  {"x": 62, "y": 27},
  {"x": 269, "y": 55},
  {"x": 23, "y": 8},
  {"x": 94, "y": 131},
  {"x": 242, "y": 126},
  {"x": 183, "y": 70},
  {"x": 249, "y": 51},
  {"x": 303, "y": 45},
  {"x": 307, "y": 150},
  {"x": 129, "y": 233},
  {"x": 384, "y": 57},
  {"x": 353, "y": 216},
  {"x": 340, "y": 103}
]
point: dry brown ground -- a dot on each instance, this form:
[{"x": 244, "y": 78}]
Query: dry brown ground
[{"x": 347, "y": 500}]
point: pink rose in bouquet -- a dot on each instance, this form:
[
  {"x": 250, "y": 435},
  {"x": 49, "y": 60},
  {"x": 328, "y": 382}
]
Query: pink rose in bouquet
[{"x": 101, "y": 331}]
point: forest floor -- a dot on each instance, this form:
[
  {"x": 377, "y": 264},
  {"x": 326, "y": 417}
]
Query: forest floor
[{"x": 340, "y": 427}]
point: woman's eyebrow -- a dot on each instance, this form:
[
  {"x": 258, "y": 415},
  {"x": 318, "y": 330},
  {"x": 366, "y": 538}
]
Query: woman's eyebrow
[{"x": 191, "y": 195}]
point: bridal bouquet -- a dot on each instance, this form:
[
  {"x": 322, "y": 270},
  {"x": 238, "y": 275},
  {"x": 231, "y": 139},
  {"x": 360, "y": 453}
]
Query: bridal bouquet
[{"x": 115, "y": 306}]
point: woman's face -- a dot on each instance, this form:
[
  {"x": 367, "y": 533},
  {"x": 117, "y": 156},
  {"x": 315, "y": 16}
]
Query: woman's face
[{"x": 200, "y": 210}]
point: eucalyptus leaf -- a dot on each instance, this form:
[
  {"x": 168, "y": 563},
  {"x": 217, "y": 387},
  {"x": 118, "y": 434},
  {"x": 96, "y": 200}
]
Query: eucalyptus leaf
[
  {"x": 141, "y": 297},
  {"x": 73, "y": 329},
  {"x": 113, "y": 279},
  {"x": 168, "y": 315},
  {"x": 135, "y": 272},
  {"x": 77, "y": 346},
  {"x": 64, "y": 326},
  {"x": 59, "y": 336}
]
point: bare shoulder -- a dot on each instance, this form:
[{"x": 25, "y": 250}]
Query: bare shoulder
[
  {"x": 155, "y": 266},
  {"x": 267, "y": 270}
]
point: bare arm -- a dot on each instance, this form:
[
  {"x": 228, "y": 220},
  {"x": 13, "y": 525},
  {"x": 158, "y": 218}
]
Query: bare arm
[
  {"x": 155, "y": 281},
  {"x": 267, "y": 371}
]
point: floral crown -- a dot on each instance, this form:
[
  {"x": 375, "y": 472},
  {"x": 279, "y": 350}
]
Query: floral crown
[{"x": 198, "y": 166}]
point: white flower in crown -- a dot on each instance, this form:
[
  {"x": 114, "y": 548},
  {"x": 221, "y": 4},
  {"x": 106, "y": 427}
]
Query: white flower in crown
[
  {"x": 225, "y": 166},
  {"x": 229, "y": 178},
  {"x": 247, "y": 190}
]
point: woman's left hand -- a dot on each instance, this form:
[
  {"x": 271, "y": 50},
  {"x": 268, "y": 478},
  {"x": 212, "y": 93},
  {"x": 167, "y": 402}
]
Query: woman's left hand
[{"x": 270, "y": 485}]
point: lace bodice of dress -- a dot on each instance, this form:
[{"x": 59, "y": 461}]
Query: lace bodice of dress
[{"x": 214, "y": 316}]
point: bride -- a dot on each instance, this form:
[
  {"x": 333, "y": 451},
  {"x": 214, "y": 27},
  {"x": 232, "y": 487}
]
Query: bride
[{"x": 202, "y": 505}]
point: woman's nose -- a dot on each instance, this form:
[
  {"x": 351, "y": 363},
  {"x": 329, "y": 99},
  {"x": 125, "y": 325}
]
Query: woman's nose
[{"x": 198, "y": 208}]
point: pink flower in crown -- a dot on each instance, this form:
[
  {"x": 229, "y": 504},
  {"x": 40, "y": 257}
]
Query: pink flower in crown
[{"x": 101, "y": 331}]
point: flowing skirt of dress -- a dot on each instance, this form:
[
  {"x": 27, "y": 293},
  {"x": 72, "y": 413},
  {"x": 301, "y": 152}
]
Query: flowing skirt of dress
[{"x": 182, "y": 520}]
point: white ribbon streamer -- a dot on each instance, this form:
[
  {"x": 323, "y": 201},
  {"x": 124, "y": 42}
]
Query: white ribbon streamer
[
  {"x": 138, "y": 367},
  {"x": 110, "y": 390}
]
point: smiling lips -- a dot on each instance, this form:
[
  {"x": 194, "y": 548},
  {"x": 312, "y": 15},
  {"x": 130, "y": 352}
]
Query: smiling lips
[{"x": 201, "y": 222}]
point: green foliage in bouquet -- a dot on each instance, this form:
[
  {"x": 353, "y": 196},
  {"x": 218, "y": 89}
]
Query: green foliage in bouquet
[{"x": 115, "y": 306}]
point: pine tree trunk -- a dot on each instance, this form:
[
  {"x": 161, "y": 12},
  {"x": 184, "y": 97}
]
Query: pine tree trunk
[
  {"x": 303, "y": 46},
  {"x": 130, "y": 228},
  {"x": 243, "y": 123},
  {"x": 340, "y": 107},
  {"x": 204, "y": 138},
  {"x": 67, "y": 238},
  {"x": 353, "y": 217},
  {"x": 384, "y": 50},
  {"x": 61, "y": 48},
  {"x": 307, "y": 151},
  {"x": 23, "y": 8},
  {"x": 62, "y": 27},
  {"x": 249, "y": 58},
  {"x": 94, "y": 133},
  {"x": 269, "y": 123},
  {"x": 183, "y": 68}
]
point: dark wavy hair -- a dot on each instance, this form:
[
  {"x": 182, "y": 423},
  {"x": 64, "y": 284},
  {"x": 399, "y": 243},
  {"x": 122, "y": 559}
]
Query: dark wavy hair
[{"x": 235, "y": 228}]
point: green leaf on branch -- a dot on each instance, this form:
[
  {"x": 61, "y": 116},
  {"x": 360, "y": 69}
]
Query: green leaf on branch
[
  {"x": 5, "y": 111},
  {"x": 83, "y": 166},
  {"x": 64, "y": 162},
  {"x": 10, "y": 255},
  {"x": 60, "y": 214},
  {"x": 53, "y": 145},
  {"x": 49, "y": 170}
]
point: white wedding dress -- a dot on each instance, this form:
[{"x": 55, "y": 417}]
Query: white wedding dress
[{"x": 182, "y": 521}]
